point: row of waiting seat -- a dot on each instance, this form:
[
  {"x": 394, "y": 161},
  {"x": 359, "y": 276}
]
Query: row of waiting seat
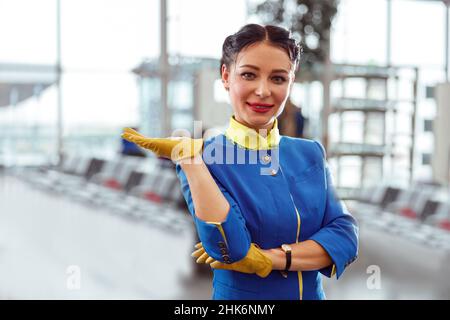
[
  {"x": 138, "y": 188},
  {"x": 420, "y": 212},
  {"x": 148, "y": 189}
]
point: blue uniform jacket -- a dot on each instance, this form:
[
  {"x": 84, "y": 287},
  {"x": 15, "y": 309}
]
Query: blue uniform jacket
[{"x": 280, "y": 195}]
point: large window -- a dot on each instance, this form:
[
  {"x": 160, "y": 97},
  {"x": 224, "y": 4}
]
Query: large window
[
  {"x": 417, "y": 38},
  {"x": 418, "y": 33},
  {"x": 101, "y": 41},
  {"x": 359, "y": 32},
  {"x": 28, "y": 31}
]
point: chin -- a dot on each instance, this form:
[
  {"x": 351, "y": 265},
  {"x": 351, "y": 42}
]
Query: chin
[{"x": 259, "y": 121}]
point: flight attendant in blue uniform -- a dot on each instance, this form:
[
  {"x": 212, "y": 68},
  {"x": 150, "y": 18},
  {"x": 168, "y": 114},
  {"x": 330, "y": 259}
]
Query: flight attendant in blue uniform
[{"x": 264, "y": 205}]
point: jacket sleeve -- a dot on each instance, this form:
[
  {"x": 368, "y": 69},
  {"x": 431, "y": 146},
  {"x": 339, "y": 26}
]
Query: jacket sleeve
[
  {"x": 339, "y": 232},
  {"x": 227, "y": 241}
]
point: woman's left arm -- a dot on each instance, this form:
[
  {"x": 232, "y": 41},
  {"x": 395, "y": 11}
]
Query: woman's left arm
[
  {"x": 334, "y": 246},
  {"x": 307, "y": 255}
]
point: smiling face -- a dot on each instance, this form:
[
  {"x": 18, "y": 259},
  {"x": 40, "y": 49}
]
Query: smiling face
[{"x": 259, "y": 82}]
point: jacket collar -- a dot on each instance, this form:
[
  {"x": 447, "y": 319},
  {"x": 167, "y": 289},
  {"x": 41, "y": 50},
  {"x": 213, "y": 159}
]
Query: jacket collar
[{"x": 249, "y": 138}]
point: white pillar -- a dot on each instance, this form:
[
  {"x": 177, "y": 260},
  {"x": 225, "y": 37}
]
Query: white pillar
[
  {"x": 441, "y": 128},
  {"x": 164, "y": 71}
]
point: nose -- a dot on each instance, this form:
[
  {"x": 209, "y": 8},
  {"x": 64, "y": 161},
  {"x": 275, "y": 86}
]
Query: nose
[{"x": 262, "y": 89}]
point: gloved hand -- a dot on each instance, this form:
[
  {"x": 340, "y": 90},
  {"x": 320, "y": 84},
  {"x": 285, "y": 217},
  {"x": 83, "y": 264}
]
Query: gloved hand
[
  {"x": 174, "y": 148},
  {"x": 254, "y": 262}
]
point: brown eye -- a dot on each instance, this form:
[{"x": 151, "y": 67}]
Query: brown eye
[
  {"x": 247, "y": 75},
  {"x": 279, "y": 79}
]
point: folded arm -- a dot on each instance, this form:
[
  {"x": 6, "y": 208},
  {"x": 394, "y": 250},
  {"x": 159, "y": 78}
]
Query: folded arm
[
  {"x": 339, "y": 233},
  {"x": 306, "y": 256},
  {"x": 218, "y": 218}
]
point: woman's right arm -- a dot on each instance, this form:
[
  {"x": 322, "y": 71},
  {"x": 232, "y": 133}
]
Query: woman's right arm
[
  {"x": 217, "y": 216},
  {"x": 209, "y": 202}
]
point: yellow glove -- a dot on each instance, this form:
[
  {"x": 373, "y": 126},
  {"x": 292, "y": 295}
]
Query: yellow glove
[
  {"x": 174, "y": 148},
  {"x": 254, "y": 262}
]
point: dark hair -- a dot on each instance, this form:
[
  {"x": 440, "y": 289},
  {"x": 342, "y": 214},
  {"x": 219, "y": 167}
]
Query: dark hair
[{"x": 252, "y": 33}]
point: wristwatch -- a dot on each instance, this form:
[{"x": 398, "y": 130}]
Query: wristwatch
[{"x": 288, "y": 251}]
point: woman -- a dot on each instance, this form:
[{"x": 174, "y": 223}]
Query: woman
[{"x": 263, "y": 204}]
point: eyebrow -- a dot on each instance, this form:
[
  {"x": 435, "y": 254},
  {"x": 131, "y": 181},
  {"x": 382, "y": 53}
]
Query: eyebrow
[{"x": 256, "y": 68}]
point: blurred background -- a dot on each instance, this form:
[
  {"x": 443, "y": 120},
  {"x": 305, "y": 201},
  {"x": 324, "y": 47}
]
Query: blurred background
[{"x": 85, "y": 215}]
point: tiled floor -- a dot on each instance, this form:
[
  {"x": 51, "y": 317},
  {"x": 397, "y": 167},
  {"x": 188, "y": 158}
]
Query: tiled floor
[{"x": 54, "y": 248}]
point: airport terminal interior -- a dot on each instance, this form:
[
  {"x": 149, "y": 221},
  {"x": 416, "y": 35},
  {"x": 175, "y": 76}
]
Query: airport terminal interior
[{"x": 83, "y": 215}]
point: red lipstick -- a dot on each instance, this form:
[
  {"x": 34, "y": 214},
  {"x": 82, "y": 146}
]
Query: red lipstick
[
  {"x": 259, "y": 107},
  {"x": 254, "y": 104}
]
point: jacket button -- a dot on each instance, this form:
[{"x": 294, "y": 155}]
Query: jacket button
[
  {"x": 266, "y": 158},
  {"x": 223, "y": 250},
  {"x": 273, "y": 172},
  {"x": 221, "y": 244},
  {"x": 226, "y": 258}
]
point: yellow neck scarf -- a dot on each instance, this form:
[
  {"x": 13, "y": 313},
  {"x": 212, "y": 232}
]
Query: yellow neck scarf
[{"x": 249, "y": 138}]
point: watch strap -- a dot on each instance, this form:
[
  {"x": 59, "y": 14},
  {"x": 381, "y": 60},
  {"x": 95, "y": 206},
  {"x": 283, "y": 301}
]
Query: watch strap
[{"x": 288, "y": 253}]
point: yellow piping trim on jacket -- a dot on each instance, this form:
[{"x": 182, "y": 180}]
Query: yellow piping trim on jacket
[
  {"x": 222, "y": 232},
  {"x": 300, "y": 276},
  {"x": 333, "y": 270}
]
